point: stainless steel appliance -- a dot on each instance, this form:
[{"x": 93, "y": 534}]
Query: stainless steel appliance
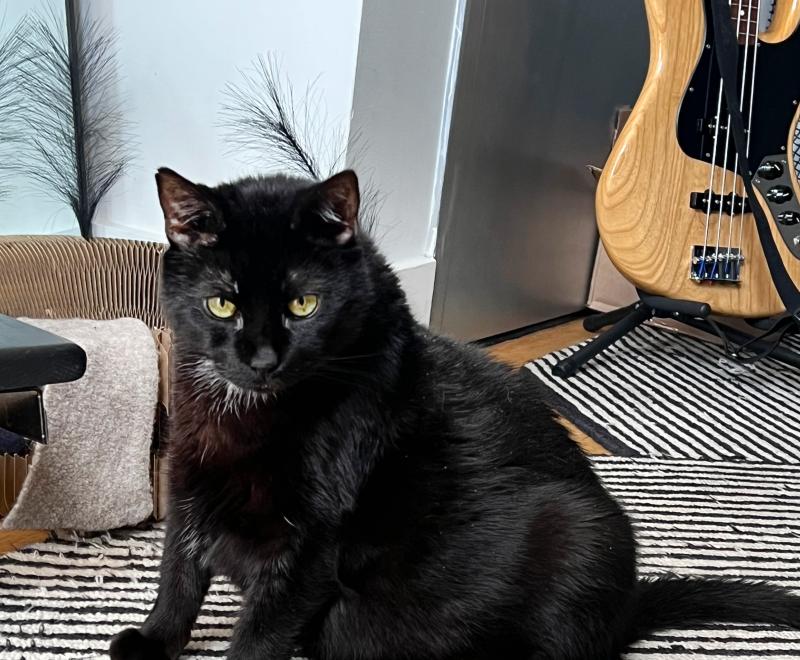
[{"x": 538, "y": 83}]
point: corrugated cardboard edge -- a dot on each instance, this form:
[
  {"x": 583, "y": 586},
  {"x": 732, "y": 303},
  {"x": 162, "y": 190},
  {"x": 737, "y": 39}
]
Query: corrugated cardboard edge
[
  {"x": 70, "y": 277},
  {"x": 102, "y": 278}
]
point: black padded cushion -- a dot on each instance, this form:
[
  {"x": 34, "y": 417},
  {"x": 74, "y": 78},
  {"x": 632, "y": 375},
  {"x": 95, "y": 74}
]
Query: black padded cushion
[{"x": 30, "y": 357}]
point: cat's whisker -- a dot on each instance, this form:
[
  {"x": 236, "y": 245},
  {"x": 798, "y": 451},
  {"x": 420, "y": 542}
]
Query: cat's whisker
[
  {"x": 205, "y": 450},
  {"x": 345, "y": 358},
  {"x": 185, "y": 504},
  {"x": 224, "y": 396}
]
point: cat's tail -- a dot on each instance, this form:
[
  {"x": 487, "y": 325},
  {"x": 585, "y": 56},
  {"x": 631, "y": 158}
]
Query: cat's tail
[{"x": 674, "y": 602}]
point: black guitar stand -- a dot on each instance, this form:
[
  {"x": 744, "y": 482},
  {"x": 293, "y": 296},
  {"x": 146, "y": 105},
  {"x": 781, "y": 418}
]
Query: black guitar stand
[{"x": 696, "y": 315}]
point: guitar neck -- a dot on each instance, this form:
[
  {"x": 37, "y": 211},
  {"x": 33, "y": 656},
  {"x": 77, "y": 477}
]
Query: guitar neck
[{"x": 750, "y": 17}]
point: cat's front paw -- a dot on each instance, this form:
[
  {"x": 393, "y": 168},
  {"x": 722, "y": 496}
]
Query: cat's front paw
[{"x": 130, "y": 644}]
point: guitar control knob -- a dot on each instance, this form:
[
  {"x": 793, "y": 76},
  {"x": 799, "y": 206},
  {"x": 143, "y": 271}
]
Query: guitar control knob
[
  {"x": 779, "y": 194},
  {"x": 770, "y": 169},
  {"x": 789, "y": 218}
]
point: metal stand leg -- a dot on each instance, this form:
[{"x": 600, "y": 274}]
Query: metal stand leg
[
  {"x": 569, "y": 366},
  {"x": 597, "y": 322},
  {"x": 628, "y": 318}
]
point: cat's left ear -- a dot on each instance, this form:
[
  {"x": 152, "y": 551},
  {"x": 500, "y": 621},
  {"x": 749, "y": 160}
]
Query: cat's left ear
[{"x": 328, "y": 213}]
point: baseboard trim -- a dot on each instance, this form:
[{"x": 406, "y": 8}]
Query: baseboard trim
[{"x": 417, "y": 277}]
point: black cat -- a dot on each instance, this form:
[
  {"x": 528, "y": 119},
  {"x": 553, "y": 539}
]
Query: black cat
[{"x": 378, "y": 492}]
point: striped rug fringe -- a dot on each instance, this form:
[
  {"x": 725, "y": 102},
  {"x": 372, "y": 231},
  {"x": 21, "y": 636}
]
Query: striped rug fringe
[{"x": 723, "y": 519}]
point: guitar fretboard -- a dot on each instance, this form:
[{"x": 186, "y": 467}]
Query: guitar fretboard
[{"x": 751, "y": 17}]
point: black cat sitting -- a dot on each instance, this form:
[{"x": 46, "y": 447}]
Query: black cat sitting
[{"x": 378, "y": 493}]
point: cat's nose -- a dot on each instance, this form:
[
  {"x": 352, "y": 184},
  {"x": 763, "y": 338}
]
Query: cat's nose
[{"x": 265, "y": 358}]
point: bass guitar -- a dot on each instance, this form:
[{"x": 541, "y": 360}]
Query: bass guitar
[{"x": 671, "y": 206}]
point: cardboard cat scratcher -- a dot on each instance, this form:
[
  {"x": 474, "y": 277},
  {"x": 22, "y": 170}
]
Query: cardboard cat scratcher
[{"x": 71, "y": 277}]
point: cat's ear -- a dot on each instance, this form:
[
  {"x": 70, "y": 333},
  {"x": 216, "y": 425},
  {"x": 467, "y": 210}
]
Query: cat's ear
[
  {"x": 328, "y": 212},
  {"x": 190, "y": 218}
]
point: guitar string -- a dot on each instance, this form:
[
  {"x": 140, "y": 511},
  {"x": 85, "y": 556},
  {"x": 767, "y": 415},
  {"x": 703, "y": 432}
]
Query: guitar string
[
  {"x": 734, "y": 214},
  {"x": 717, "y": 256},
  {"x": 710, "y": 195},
  {"x": 746, "y": 166},
  {"x": 735, "y": 191},
  {"x": 701, "y": 272}
]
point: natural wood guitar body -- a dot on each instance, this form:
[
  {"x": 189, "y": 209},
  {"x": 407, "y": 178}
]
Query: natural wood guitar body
[{"x": 642, "y": 207}]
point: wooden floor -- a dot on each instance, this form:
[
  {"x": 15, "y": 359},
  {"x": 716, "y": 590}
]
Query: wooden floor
[
  {"x": 529, "y": 347},
  {"x": 515, "y": 352},
  {"x": 10, "y": 541},
  {"x": 519, "y": 351}
]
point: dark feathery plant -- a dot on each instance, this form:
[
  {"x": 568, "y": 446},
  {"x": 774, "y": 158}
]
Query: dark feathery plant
[
  {"x": 76, "y": 139},
  {"x": 263, "y": 119},
  {"x": 265, "y": 122},
  {"x": 9, "y": 97}
]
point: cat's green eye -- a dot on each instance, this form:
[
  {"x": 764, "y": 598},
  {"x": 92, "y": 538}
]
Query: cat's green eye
[
  {"x": 220, "y": 307},
  {"x": 304, "y": 306}
]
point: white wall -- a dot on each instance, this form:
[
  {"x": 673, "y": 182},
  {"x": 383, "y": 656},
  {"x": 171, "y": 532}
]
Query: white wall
[
  {"x": 175, "y": 57},
  {"x": 407, "y": 60},
  {"x": 28, "y": 209}
]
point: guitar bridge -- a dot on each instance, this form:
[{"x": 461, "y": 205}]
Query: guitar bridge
[{"x": 709, "y": 265}]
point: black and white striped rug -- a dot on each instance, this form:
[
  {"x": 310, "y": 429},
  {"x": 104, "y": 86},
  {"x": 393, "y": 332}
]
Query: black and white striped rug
[
  {"x": 65, "y": 600},
  {"x": 666, "y": 395}
]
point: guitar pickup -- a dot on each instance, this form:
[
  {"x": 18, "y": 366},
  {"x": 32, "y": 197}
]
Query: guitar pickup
[
  {"x": 708, "y": 265},
  {"x": 730, "y": 204}
]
